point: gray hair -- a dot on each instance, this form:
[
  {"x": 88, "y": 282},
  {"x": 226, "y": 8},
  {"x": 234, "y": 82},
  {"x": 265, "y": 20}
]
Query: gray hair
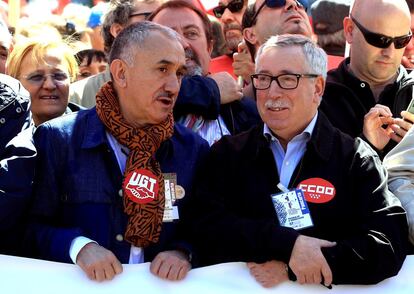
[
  {"x": 135, "y": 36},
  {"x": 118, "y": 12},
  {"x": 315, "y": 57}
]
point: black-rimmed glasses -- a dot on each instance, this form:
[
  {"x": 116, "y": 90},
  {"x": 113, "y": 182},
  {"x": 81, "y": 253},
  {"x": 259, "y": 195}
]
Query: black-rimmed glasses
[
  {"x": 284, "y": 81},
  {"x": 234, "y": 6},
  {"x": 382, "y": 41},
  {"x": 277, "y": 4}
]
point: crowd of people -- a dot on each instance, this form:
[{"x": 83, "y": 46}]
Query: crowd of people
[{"x": 160, "y": 131}]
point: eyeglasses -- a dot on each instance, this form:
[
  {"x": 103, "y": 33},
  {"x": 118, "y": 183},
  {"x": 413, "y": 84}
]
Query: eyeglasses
[
  {"x": 233, "y": 6},
  {"x": 145, "y": 14},
  {"x": 382, "y": 41},
  {"x": 58, "y": 78},
  {"x": 277, "y": 4},
  {"x": 284, "y": 81}
]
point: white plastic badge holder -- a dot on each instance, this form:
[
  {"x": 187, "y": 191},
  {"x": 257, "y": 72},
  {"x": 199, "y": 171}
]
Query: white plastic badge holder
[
  {"x": 292, "y": 209},
  {"x": 170, "y": 210}
]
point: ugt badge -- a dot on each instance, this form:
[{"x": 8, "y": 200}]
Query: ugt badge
[{"x": 141, "y": 186}]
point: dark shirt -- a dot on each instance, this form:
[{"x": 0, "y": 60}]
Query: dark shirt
[{"x": 347, "y": 99}]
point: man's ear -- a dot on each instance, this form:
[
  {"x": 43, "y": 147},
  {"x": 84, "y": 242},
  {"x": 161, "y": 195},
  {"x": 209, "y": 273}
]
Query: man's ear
[
  {"x": 250, "y": 35},
  {"x": 118, "y": 71},
  {"x": 115, "y": 29},
  {"x": 348, "y": 29},
  {"x": 319, "y": 88}
]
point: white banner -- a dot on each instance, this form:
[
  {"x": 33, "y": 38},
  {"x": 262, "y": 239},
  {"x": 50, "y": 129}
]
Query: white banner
[{"x": 23, "y": 275}]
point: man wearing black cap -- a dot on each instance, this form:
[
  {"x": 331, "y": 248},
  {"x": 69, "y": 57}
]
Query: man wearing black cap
[{"x": 327, "y": 16}]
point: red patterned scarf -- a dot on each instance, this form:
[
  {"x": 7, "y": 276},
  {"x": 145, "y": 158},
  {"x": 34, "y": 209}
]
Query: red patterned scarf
[{"x": 143, "y": 183}]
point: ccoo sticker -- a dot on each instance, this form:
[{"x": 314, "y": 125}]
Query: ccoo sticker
[
  {"x": 141, "y": 186},
  {"x": 317, "y": 190}
]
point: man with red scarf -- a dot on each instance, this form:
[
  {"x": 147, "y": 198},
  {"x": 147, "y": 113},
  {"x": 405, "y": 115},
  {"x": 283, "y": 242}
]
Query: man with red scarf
[{"x": 110, "y": 179}]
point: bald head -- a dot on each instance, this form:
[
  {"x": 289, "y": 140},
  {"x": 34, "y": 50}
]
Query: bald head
[
  {"x": 375, "y": 65},
  {"x": 362, "y": 8}
]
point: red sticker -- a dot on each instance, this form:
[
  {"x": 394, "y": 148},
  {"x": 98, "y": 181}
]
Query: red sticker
[
  {"x": 317, "y": 190},
  {"x": 141, "y": 186}
]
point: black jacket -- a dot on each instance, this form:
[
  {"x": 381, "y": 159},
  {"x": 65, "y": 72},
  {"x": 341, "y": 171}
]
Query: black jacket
[
  {"x": 202, "y": 97},
  {"x": 233, "y": 218},
  {"x": 347, "y": 99}
]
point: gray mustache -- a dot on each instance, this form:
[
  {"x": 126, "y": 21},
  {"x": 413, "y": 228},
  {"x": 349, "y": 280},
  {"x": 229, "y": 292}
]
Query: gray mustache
[{"x": 276, "y": 104}]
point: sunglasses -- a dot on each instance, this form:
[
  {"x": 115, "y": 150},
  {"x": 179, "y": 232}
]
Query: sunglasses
[
  {"x": 277, "y": 4},
  {"x": 234, "y": 6},
  {"x": 145, "y": 14},
  {"x": 382, "y": 41}
]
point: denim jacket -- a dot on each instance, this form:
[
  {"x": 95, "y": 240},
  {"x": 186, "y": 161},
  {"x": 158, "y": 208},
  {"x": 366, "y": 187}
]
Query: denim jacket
[{"x": 77, "y": 189}]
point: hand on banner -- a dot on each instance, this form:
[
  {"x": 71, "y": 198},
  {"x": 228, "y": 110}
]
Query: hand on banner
[
  {"x": 308, "y": 263},
  {"x": 171, "y": 265},
  {"x": 98, "y": 263},
  {"x": 270, "y": 273}
]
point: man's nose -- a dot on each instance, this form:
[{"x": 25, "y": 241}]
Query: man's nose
[
  {"x": 227, "y": 16},
  {"x": 173, "y": 84},
  {"x": 292, "y": 4}
]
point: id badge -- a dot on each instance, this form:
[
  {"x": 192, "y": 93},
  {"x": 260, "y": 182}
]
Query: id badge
[
  {"x": 170, "y": 210},
  {"x": 292, "y": 209}
]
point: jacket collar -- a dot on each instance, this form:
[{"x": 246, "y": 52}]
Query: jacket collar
[
  {"x": 321, "y": 141},
  {"x": 94, "y": 131},
  {"x": 343, "y": 75},
  {"x": 95, "y": 135}
]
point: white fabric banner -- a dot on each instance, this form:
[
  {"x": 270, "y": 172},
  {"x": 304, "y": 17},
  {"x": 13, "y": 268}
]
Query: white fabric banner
[{"x": 23, "y": 275}]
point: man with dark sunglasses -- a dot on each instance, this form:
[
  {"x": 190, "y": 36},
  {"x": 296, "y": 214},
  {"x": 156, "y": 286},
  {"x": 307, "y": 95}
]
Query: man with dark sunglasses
[
  {"x": 230, "y": 14},
  {"x": 267, "y": 18},
  {"x": 366, "y": 95},
  {"x": 237, "y": 61}
]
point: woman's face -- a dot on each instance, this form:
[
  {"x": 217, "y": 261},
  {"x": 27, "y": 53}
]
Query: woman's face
[
  {"x": 94, "y": 68},
  {"x": 48, "y": 85}
]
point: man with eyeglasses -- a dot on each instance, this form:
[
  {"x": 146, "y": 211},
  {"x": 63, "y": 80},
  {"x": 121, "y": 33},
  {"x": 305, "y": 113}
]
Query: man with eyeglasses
[
  {"x": 368, "y": 93},
  {"x": 295, "y": 197}
]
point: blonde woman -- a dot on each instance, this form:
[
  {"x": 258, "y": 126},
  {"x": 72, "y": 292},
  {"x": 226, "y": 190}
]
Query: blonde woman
[{"x": 45, "y": 69}]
